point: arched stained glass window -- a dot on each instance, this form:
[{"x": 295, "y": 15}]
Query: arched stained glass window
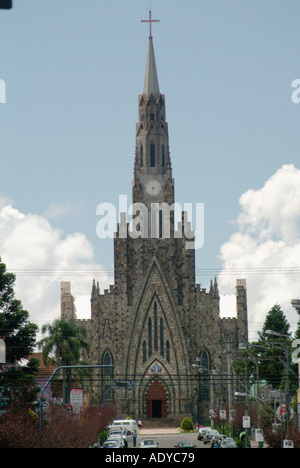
[
  {"x": 107, "y": 373},
  {"x": 150, "y": 336},
  {"x": 152, "y": 154},
  {"x": 162, "y": 344},
  {"x": 142, "y": 156},
  {"x": 168, "y": 351},
  {"x": 155, "y": 328},
  {"x": 204, "y": 363}
]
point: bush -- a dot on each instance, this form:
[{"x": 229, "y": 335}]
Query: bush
[
  {"x": 19, "y": 429},
  {"x": 102, "y": 437},
  {"x": 238, "y": 442},
  {"x": 186, "y": 425}
]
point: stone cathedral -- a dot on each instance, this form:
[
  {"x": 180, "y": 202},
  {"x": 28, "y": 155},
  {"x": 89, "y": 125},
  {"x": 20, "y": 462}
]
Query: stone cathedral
[{"x": 155, "y": 325}]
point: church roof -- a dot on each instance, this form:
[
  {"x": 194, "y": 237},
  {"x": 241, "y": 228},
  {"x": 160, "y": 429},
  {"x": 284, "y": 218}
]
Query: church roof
[{"x": 151, "y": 80}]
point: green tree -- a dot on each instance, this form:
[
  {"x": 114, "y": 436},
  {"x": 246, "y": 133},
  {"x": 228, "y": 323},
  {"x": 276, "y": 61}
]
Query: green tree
[
  {"x": 65, "y": 341},
  {"x": 272, "y": 347},
  {"x": 19, "y": 335},
  {"x": 297, "y": 334},
  {"x": 275, "y": 321},
  {"x": 266, "y": 358}
]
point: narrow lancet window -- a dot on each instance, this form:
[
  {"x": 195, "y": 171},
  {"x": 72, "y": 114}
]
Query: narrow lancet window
[
  {"x": 152, "y": 154},
  {"x": 162, "y": 348},
  {"x": 168, "y": 351},
  {"x": 150, "y": 335},
  {"x": 163, "y": 155},
  {"x": 155, "y": 328},
  {"x": 142, "y": 156}
]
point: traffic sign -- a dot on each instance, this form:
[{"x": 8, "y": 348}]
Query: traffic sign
[
  {"x": 246, "y": 422},
  {"x": 121, "y": 385},
  {"x": 282, "y": 412},
  {"x": 288, "y": 443},
  {"x": 76, "y": 399},
  {"x": 259, "y": 436}
]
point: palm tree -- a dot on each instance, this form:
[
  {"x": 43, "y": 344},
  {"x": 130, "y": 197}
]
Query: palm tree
[{"x": 66, "y": 341}]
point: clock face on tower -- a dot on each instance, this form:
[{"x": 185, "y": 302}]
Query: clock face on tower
[{"x": 153, "y": 187}]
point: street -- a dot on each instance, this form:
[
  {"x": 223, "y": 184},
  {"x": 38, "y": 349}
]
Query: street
[{"x": 169, "y": 440}]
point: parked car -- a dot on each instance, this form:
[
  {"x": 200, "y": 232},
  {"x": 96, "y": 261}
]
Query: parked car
[
  {"x": 217, "y": 439},
  {"x": 209, "y": 435},
  {"x": 228, "y": 443},
  {"x": 186, "y": 444},
  {"x": 202, "y": 431},
  {"x": 148, "y": 443},
  {"x": 120, "y": 439},
  {"x": 115, "y": 432},
  {"x": 113, "y": 443},
  {"x": 126, "y": 434}
]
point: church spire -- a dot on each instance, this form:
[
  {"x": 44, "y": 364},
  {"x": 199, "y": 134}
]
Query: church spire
[
  {"x": 151, "y": 81},
  {"x": 153, "y": 182},
  {"x": 151, "y": 85}
]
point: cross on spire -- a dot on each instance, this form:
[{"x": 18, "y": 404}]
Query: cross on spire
[{"x": 150, "y": 21}]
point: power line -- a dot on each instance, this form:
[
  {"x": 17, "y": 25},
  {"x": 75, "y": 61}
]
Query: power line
[{"x": 249, "y": 271}]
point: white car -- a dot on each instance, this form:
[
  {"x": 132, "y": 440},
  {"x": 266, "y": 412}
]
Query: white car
[
  {"x": 228, "y": 443},
  {"x": 113, "y": 443},
  {"x": 209, "y": 435},
  {"x": 126, "y": 434},
  {"x": 149, "y": 443},
  {"x": 118, "y": 439},
  {"x": 202, "y": 431}
]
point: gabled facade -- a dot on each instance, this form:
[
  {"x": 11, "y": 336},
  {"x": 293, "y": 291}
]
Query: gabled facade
[{"x": 155, "y": 323}]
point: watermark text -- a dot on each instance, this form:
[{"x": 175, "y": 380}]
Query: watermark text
[
  {"x": 154, "y": 222},
  {"x": 296, "y": 94},
  {"x": 2, "y": 92}
]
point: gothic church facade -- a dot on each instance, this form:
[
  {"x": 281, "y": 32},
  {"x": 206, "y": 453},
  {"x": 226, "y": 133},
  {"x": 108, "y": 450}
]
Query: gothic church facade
[{"x": 155, "y": 325}]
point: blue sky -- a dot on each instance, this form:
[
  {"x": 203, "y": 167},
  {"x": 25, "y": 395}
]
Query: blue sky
[{"x": 73, "y": 72}]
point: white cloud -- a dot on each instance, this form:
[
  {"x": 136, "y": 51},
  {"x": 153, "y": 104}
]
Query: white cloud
[
  {"x": 266, "y": 248},
  {"x": 61, "y": 210},
  {"x": 42, "y": 257}
]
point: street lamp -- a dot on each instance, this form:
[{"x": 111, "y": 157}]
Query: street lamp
[{"x": 272, "y": 332}]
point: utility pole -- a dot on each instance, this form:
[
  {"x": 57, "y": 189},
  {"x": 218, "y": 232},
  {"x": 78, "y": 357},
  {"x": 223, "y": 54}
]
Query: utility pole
[{"x": 229, "y": 386}]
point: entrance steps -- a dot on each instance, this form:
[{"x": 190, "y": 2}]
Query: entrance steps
[{"x": 161, "y": 423}]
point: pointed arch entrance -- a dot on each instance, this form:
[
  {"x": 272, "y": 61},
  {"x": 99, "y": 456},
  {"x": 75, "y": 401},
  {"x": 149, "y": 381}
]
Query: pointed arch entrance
[{"x": 156, "y": 401}]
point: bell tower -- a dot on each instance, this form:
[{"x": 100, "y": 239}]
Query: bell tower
[{"x": 153, "y": 182}]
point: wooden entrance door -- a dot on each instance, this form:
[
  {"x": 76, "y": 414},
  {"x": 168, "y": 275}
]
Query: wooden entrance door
[{"x": 156, "y": 401}]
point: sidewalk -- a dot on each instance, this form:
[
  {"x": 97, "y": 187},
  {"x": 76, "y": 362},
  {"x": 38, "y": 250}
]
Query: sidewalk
[{"x": 159, "y": 430}]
